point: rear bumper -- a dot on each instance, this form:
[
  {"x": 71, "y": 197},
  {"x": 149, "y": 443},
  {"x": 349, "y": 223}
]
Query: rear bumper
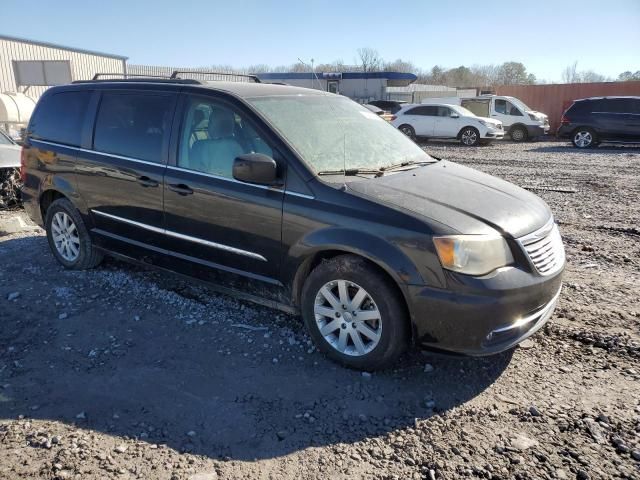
[
  {"x": 564, "y": 131},
  {"x": 489, "y": 315}
]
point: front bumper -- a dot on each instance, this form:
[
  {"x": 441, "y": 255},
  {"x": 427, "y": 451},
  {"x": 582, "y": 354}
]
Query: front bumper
[
  {"x": 494, "y": 134},
  {"x": 537, "y": 130},
  {"x": 484, "y": 315}
]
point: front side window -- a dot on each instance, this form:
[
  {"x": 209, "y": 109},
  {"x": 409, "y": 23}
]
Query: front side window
[
  {"x": 506, "y": 108},
  {"x": 333, "y": 132},
  {"x": 213, "y": 135},
  {"x": 60, "y": 117},
  {"x": 444, "y": 112},
  {"x": 133, "y": 125}
]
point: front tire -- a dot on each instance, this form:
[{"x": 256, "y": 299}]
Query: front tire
[
  {"x": 408, "y": 130},
  {"x": 354, "y": 314},
  {"x": 470, "y": 137},
  {"x": 68, "y": 237},
  {"x": 519, "y": 134},
  {"x": 584, "y": 138}
]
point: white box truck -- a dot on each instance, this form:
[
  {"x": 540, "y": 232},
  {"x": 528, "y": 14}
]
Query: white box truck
[{"x": 519, "y": 121}]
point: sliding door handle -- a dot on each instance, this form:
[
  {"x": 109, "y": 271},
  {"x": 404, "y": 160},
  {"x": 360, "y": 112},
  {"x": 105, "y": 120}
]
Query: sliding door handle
[
  {"x": 147, "y": 182},
  {"x": 180, "y": 189}
]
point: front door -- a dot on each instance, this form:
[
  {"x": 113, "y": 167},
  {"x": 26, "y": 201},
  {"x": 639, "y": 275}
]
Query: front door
[
  {"x": 506, "y": 112},
  {"x": 212, "y": 220},
  {"x": 120, "y": 171}
]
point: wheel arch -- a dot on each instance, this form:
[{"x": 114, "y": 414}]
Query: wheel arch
[{"x": 459, "y": 135}]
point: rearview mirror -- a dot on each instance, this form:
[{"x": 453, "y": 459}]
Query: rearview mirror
[{"x": 255, "y": 168}]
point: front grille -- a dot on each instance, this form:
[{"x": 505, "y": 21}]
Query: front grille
[{"x": 544, "y": 249}]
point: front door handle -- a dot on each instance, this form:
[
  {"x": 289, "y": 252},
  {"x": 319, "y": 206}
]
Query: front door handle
[
  {"x": 180, "y": 189},
  {"x": 147, "y": 182}
]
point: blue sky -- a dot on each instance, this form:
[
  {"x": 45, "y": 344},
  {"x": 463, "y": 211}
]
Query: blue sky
[{"x": 545, "y": 35}]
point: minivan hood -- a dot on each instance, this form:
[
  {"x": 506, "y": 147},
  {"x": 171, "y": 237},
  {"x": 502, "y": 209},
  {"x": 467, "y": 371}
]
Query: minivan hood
[
  {"x": 9, "y": 156},
  {"x": 464, "y": 199}
]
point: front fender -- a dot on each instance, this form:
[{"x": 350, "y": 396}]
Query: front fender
[{"x": 381, "y": 252}]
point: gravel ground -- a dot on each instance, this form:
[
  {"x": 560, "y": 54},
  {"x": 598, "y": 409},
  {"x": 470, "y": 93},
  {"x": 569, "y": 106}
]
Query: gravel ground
[{"x": 123, "y": 373}]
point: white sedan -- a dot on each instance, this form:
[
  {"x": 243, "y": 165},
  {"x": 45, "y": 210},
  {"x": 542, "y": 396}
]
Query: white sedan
[
  {"x": 446, "y": 121},
  {"x": 9, "y": 152}
]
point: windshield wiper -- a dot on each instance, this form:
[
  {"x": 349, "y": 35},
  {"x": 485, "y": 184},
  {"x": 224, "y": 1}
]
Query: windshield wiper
[
  {"x": 349, "y": 172},
  {"x": 397, "y": 166}
]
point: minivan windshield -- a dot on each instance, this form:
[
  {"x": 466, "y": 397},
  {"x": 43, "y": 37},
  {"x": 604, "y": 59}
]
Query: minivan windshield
[
  {"x": 520, "y": 104},
  {"x": 334, "y": 133}
]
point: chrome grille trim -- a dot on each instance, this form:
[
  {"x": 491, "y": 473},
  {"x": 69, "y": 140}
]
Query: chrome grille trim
[{"x": 544, "y": 249}]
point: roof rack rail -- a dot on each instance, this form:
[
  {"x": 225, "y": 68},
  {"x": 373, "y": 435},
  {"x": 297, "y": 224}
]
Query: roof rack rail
[
  {"x": 126, "y": 75},
  {"x": 176, "y": 74}
]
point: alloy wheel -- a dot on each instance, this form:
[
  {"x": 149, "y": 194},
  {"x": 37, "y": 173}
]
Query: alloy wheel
[
  {"x": 583, "y": 139},
  {"x": 348, "y": 318},
  {"x": 469, "y": 137},
  {"x": 65, "y": 236}
]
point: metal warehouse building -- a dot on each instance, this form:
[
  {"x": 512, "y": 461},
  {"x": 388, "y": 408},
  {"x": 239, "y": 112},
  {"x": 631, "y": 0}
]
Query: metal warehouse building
[
  {"x": 361, "y": 86},
  {"x": 28, "y": 67}
]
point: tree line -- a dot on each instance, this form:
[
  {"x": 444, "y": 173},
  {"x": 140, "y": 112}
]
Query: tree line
[{"x": 507, "y": 73}]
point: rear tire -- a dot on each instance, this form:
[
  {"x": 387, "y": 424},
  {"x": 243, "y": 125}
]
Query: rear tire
[
  {"x": 354, "y": 314},
  {"x": 518, "y": 134},
  {"x": 470, "y": 137},
  {"x": 584, "y": 138},
  {"x": 408, "y": 130},
  {"x": 68, "y": 237}
]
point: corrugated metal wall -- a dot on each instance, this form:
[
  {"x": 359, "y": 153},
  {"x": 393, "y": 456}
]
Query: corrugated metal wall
[
  {"x": 83, "y": 65},
  {"x": 167, "y": 71},
  {"x": 555, "y": 99}
]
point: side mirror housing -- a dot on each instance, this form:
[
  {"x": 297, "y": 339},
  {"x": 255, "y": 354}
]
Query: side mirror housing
[
  {"x": 455, "y": 115},
  {"x": 256, "y": 168}
]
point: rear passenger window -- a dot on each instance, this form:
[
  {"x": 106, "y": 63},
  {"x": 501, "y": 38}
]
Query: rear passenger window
[
  {"x": 133, "y": 125},
  {"x": 616, "y": 105},
  {"x": 60, "y": 118}
]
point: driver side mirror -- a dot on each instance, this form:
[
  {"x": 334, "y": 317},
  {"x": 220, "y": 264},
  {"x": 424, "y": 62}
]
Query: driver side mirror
[
  {"x": 256, "y": 168},
  {"x": 454, "y": 115}
]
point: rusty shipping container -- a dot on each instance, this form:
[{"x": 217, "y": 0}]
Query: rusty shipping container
[{"x": 555, "y": 99}]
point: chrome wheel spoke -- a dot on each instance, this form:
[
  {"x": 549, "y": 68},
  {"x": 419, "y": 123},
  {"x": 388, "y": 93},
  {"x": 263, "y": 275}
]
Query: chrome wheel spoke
[
  {"x": 366, "y": 315},
  {"x": 331, "y": 298},
  {"x": 342, "y": 340},
  {"x": 324, "y": 311},
  {"x": 331, "y": 327},
  {"x": 342, "y": 291},
  {"x": 358, "y": 298},
  {"x": 367, "y": 331},
  {"x": 357, "y": 342}
]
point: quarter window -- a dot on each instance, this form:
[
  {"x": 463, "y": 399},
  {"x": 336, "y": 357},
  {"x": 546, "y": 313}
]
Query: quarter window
[
  {"x": 133, "y": 125},
  {"x": 213, "y": 135},
  {"x": 60, "y": 118}
]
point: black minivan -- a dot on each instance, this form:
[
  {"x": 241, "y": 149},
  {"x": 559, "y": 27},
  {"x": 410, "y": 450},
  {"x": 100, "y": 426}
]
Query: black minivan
[
  {"x": 591, "y": 121},
  {"x": 304, "y": 199}
]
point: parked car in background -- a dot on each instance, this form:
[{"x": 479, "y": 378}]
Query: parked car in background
[
  {"x": 381, "y": 113},
  {"x": 326, "y": 207},
  {"x": 445, "y": 122},
  {"x": 391, "y": 106},
  {"x": 518, "y": 120},
  {"x": 591, "y": 121},
  {"x": 9, "y": 152}
]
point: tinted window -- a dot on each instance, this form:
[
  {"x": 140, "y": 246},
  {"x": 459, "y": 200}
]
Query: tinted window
[
  {"x": 60, "y": 117},
  {"x": 582, "y": 108},
  {"x": 430, "y": 111},
  {"x": 615, "y": 105},
  {"x": 444, "y": 112},
  {"x": 212, "y": 137},
  {"x": 133, "y": 125}
]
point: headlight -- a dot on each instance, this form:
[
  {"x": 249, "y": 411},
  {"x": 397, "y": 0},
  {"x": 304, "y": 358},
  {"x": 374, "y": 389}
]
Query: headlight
[
  {"x": 488, "y": 124},
  {"x": 473, "y": 254}
]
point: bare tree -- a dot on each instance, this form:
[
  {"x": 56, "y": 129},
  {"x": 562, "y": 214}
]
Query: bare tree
[
  {"x": 369, "y": 59},
  {"x": 399, "y": 65},
  {"x": 570, "y": 73}
]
